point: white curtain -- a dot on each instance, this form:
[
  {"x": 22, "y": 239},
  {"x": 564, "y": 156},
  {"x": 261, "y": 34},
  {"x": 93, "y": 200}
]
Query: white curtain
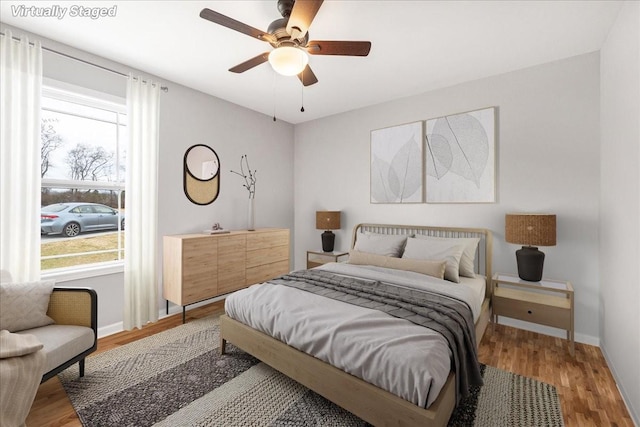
[
  {"x": 21, "y": 86},
  {"x": 141, "y": 204}
]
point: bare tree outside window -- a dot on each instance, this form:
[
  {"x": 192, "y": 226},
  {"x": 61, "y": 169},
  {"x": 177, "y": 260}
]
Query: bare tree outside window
[
  {"x": 50, "y": 142},
  {"x": 89, "y": 163}
]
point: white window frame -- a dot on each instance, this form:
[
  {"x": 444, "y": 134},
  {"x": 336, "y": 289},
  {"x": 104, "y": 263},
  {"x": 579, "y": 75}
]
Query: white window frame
[{"x": 76, "y": 94}]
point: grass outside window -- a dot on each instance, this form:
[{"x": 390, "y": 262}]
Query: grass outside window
[{"x": 80, "y": 246}]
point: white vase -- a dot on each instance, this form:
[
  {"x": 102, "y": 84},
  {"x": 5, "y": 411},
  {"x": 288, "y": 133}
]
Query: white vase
[{"x": 251, "y": 215}]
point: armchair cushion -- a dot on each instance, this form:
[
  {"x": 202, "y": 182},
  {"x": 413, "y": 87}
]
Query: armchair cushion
[
  {"x": 62, "y": 343},
  {"x": 24, "y": 305}
]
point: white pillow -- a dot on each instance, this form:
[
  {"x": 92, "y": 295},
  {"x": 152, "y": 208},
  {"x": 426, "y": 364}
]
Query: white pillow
[
  {"x": 435, "y": 250},
  {"x": 24, "y": 305},
  {"x": 380, "y": 244},
  {"x": 467, "y": 262}
]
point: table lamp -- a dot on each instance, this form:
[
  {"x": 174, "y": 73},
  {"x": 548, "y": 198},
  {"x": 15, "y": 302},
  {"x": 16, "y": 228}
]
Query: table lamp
[
  {"x": 530, "y": 230},
  {"x": 328, "y": 220}
]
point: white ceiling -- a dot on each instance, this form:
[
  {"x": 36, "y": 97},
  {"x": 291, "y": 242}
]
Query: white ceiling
[{"x": 417, "y": 46}]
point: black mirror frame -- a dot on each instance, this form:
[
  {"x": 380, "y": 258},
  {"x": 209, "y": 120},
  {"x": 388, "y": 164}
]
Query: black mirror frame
[{"x": 187, "y": 175}]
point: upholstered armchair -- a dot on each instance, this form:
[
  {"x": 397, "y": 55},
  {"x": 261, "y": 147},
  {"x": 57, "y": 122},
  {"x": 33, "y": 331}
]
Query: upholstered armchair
[
  {"x": 43, "y": 330},
  {"x": 64, "y": 320},
  {"x": 74, "y": 334}
]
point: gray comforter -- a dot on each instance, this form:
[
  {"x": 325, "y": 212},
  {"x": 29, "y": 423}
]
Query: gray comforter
[{"x": 449, "y": 317}]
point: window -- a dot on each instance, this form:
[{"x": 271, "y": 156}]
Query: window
[{"x": 83, "y": 179}]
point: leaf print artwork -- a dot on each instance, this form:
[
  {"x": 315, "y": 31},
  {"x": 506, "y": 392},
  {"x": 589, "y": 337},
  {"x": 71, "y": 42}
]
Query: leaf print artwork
[
  {"x": 404, "y": 175},
  {"x": 439, "y": 157},
  {"x": 460, "y": 153},
  {"x": 468, "y": 143},
  {"x": 379, "y": 180},
  {"x": 396, "y": 164}
]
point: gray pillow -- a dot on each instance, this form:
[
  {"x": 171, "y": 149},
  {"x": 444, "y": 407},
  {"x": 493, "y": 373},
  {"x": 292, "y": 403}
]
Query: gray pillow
[
  {"x": 437, "y": 250},
  {"x": 380, "y": 244},
  {"x": 24, "y": 305},
  {"x": 468, "y": 259}
]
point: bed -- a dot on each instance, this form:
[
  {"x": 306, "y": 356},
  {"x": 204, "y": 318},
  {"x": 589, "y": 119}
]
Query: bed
[{"x": 377, "y": 404}]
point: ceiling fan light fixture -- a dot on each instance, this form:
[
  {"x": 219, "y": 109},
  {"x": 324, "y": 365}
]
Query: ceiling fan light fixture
[{"x": 288, "y": 60}]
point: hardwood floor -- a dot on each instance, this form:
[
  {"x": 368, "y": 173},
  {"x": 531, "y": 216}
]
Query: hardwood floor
[{"x": 588, "y": 393}]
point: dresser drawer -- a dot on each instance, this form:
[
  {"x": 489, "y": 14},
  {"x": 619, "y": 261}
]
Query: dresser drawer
[
  {"x": 558, "y": 317},
  {"x": 263, "y": 273},
  {"x": 267, "y": 239},
  {"x": 267, "y": 256}
]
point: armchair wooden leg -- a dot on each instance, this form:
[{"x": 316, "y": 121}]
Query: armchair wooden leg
[
  {"x": 81, "y": 366},
  {"x": 223, "y": 345}
]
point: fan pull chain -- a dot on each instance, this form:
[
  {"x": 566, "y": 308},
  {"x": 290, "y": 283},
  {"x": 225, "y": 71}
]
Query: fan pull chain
[
  {"x": 274, "y": 96},
  {"x": 302, "y": 92}
]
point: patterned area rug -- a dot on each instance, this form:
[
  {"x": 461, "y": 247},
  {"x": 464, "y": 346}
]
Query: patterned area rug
[{"x": 178, "y": 378}]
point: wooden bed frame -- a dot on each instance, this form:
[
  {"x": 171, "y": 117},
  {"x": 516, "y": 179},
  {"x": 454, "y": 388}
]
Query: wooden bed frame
[{"x": 374, "y": 405}]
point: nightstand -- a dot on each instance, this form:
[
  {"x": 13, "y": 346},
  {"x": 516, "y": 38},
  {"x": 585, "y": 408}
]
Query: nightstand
[
  {"x": 548, "y": 302},
  {"x": 316, "y": 258}
]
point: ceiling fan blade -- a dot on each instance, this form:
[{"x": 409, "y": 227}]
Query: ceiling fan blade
[
  {"x": 249, "y": 64},
  {"x": 335, "y": 47},
  {"x": 301, "y": 17},
  {"x": 307, "y": 77},
  {"x": 225, "y": 21}
]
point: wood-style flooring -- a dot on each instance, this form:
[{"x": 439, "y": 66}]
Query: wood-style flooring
[{"x": 588, "y": 393}]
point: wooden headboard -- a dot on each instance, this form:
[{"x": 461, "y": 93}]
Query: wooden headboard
[{"x": 483, "y": 254}]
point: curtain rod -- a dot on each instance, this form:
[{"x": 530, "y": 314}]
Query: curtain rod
[{"x": 162, "y": 88}]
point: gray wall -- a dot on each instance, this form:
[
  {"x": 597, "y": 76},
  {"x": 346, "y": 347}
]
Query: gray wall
[
  {"x": 568, "y": 143},
  {"x": 189, "y": 117},
  {"x": 547, "y": 161},
  {"x": 620, "y": 202}
]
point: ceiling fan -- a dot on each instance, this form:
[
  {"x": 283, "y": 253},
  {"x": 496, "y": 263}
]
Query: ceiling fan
[{"x": 289, "y": 37}]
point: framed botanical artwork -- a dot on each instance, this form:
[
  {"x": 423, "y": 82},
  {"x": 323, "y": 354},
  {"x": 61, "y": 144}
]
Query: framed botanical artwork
[
  {"x": 397, "y": 164},
  {"x": 460, "y": 158}
]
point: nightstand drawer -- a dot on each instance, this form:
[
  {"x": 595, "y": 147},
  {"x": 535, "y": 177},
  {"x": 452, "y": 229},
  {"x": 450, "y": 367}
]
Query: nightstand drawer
[{"x": 542, "y": 314}]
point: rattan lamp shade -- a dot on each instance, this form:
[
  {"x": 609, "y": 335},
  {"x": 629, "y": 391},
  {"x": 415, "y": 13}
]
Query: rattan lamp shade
[
  {"x": 328, "y": 220},
  {"x": 530, "y": 229}
]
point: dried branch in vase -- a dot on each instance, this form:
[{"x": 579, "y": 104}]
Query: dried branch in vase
[{"x": 248, "y": 175}]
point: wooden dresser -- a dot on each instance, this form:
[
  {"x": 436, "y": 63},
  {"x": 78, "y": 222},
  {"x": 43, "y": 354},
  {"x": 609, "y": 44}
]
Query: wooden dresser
[{"x": 196, "y": 267}]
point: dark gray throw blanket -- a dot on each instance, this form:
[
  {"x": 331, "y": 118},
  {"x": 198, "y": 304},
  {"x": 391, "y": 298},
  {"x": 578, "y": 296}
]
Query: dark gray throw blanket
[{"x": 450, "y": 317}]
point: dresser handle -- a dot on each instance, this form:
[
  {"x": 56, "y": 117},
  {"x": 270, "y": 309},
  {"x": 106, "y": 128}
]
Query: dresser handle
[{"x": 529, "y": 311}]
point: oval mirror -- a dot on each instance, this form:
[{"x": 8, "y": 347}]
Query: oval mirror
[{"x": 201, "y": 174}]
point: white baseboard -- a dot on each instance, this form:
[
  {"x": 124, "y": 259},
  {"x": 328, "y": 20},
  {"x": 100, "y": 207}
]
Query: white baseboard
[
  {"x": 114, "y": 328},
  {"x": 110, "y": 329},
  {"x": 547, "y": 330}
]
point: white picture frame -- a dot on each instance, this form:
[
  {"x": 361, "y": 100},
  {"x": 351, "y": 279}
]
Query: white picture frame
[{"x": 460, "y": 157}]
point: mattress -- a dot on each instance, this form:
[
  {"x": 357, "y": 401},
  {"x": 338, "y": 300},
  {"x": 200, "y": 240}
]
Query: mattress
[{"x": 408, "y": 360}]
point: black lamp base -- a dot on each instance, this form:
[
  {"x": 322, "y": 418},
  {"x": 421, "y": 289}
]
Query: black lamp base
[
  {"x": 530, "y": 263},
  {"x": 328, "y": 240}
]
